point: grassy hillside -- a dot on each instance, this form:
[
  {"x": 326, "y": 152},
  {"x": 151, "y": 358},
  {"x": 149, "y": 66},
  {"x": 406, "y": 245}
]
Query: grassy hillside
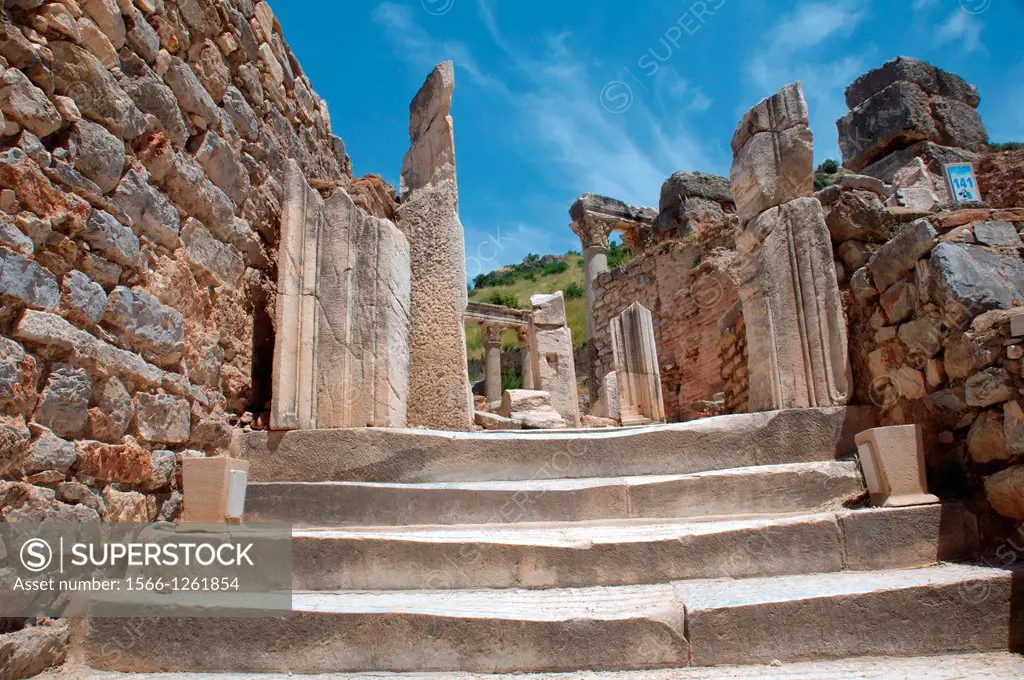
[{"x": 515, "y": 286}]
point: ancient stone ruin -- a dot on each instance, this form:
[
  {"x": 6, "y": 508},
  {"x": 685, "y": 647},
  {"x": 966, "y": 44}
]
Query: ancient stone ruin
[{"x": 810, "y": 401}]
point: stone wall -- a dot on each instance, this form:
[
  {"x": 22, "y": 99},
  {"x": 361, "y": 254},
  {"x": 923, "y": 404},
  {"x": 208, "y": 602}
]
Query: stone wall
[
  {"x": 931, "y": 306},
  {"x": 687, "y": 296},
  {"x": 141, "y": 168}
]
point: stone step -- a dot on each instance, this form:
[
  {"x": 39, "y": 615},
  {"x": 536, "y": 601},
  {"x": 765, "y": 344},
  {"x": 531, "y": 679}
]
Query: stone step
[
  {"x": 765, "y": 489},
  {"x": 484, "y": 631},
  {"x": 392, "y": 455},
  {"x": 630, "y": 552},
  {"x": 991, "y": 666},
  {"x": 935, "y": 610}
]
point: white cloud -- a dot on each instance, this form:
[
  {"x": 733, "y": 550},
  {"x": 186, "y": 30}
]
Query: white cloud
[
  {"x": 803, "y": 48},
  {"x": 924, "y": 4},
  {"x": 964, "y": 28},
  {"x": 554, "y": 99}
]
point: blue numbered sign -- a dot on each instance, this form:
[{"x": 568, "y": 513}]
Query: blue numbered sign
[{"x": 961, "y": 182}]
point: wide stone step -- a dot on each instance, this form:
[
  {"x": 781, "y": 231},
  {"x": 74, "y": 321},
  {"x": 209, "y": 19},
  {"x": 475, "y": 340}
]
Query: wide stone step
[
  {"x": 484, "y": 631},
  {"x": 936, "y": 610},
  {"x": 560, "y": 555},
  {"x": 764, "y": 489},
  {"x": 392, "y": 455},
  {"x": 991, "y": 666}
]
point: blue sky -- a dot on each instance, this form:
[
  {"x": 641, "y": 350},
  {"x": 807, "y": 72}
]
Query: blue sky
[{"x": 557, "y": 98}]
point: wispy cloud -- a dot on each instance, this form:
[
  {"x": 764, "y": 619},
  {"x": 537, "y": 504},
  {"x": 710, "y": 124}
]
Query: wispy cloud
[
  {"x": 964, "y": 28},
  {"x": 552, "y": 95},
  {"x": 803, "y": 47}
]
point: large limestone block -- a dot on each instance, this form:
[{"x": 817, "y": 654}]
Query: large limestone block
[
  {"x": 890, "y": 120},
  {"x": 439, "y": 391},
  {"x": 796, "y": 330},
  {"x": 773, "y": 154},
  {"x": 341, "y": 356},
  {"x": 971, "y": 279},
  {"x": 932, "y": 80}
]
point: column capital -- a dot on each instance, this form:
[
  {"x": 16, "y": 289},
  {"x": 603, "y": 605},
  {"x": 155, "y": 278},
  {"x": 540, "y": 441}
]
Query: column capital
[{"x": 492, "y": 334}]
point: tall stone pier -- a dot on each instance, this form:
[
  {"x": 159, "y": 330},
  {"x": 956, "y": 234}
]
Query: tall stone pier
[
  {"x": 439, "y": 392},
  {"x": 796, "y": 331}
]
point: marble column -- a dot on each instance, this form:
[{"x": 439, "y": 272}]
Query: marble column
[
  {"x": 529, "y": 359},
  {"x": 492, "y": 361},
  {"x": 636, "y": 363}
]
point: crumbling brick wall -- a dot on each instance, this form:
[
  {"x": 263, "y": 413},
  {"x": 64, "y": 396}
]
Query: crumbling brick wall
[
  {"x": 687, "y": 296},
  {"x": 141, "y": 161}
]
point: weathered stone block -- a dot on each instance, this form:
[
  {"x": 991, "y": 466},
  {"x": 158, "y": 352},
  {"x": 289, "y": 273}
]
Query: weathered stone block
[
  {"x": 1005, "y": 492},
  {"x": 162, "y": 418},
  {"x": 989, "y": 387},
  {"x": 151, "y": 328},
  {"x": 128, "y": 506},
  {"x": 49, "y": 452},
  {"x": 932, "y": 80},
  {"x": 222, "y": 166},
  {"x": 997, "y": 234},
  {"x": 151, "y": 95},
  {"x": 114, "y": 411},
  {"x": 25, "y": 103},
  {"x": 901, "y": 254},
  {"x": 83, "y": 297},
  {"x": 191, "y": 95},
  {"x": 973, "y": 279},
  {"x": 99, "y": 155},
  {"x": 153, "y": 215},
  {"x": 892, "y": 119},
  {"x": 111, "y": 239},
  {"x": 24, "y": 282},
  {"x": 82, "y": 77},
  {"x": 439, "y": 393},
  {"x": 986, "y": 441},
  {"x": 773, "y": 154},
  {"x": 219, "y": 261},
  {"x": 64, "y": 403}
]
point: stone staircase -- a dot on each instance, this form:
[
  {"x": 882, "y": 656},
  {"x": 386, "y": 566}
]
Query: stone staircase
[{"x": 614, "y": 551}]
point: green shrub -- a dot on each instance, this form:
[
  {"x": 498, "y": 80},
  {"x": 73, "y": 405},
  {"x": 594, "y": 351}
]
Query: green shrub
[
  {"x": 822, "y": 180},
  {"x": 1006, "y": 146},
  {"x": 829, "y": 167},
  {"x": 502, "y": 299},
  {"x": 573, "y": 291},
  {"x": 511, "y": 381},
  {"x": 556, "y": 267},
  {"x": 618, "y": 254}
]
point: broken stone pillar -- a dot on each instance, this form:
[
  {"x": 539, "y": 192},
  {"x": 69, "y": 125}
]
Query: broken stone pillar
[
  {"x": 439, "y": 391},
  {"x": 492, "y": 362},
  {"x": 773, "y": 154},
  {"x": 594, "y": 218},
  {"x": 555, "y": 369},
  {"x": 341, "y": 351},
  {"x": 636, "y": 364},
  {"x": 796, "y": 330}
]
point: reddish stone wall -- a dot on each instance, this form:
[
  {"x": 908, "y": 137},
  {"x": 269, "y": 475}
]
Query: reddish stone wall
[
  {"x": 687, "y": 299},
  {"x": 142, "y": 149}
]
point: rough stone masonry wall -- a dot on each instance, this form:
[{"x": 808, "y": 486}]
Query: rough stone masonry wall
[
  {"x": 687, "y": 297},
  {"x": 931, "y": 306},
  {"x": 141, "y": 164}
]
